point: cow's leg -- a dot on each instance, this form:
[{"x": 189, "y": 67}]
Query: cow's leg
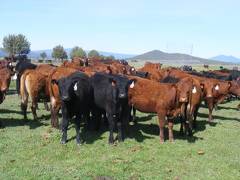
[
  {"x": 120, "y": 131},
  {"x": 77, "y": 127},
  {"x": 65, "y": 122},
  {"x": 134, "y": 115},
  {"x": 24, "y": 104},
  {"x": 33, "y": 108},
  {"x": 46, "y": 106},
  {"x": 219, "y": 101},
  {"x": 24, "y": 110},
  {"x": 170, "y": 130},
  {"x": 210, "y": 108},
  {"x": 111, "y": 127},
  {"x": 182, "y": 126},
  {"x": 54, "y": 117},
  {"x": 95, "y": 120},
  {"x": 238, "y": 107},
  {"x": 161, "y": 120},
  {"x": 195, "y": 112}
]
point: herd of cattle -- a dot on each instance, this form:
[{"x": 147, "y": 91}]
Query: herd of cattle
[{"x": 94, "y": 90}]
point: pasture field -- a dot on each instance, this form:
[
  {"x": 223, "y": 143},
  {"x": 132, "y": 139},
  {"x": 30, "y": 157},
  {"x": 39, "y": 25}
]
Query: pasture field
[{"x": 32, "y": 150}]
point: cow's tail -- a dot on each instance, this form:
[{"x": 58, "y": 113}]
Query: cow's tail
[
  {"x": 23, "y": 89},
  {"x": 189, "y": 113},
  {"x": 24, "y": 94}
]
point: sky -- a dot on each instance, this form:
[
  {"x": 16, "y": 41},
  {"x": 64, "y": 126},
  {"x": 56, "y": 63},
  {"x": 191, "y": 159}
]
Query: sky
[{"x": 201, "y": 28}]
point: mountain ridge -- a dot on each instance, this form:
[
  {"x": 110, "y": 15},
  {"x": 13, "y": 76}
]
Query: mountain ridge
[{"x": 174, "y": 58}]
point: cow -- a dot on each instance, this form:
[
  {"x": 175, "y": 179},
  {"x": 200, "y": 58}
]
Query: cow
[
  {"x": 153, "y": 69},
  {"x": 110, "y": 94},
  {"x": 34, "y": 84},
  {"x": 76, "y": 97},
  {"x": 5, "y": 79},
  {"x": 212, "y": 88},
  {"x": 167, "y": 100},
  {"x": 206, "y": 66},
  {"x": 21, "y": 66},
  {"x": 186, "y": 68}
]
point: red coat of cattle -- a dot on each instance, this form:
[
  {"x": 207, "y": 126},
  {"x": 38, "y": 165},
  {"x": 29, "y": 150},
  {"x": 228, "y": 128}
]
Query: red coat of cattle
[
  {"x": 166, "y": 100},
  {"x": 33, "y": 83},
  {"x": 154, "y": 71},
  {"x": 213, "y": 89},
  {"x": 5, "y": 79}
]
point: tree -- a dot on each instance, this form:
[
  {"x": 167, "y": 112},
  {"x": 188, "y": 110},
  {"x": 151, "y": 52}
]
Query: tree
[
  {"x": 78, "y": 52},
  {"x": 16, "y": 45},
  {"x": 59, "y": 53},
  {"x": 93, "y": 53},
  {"x": 43, "y": 55}
]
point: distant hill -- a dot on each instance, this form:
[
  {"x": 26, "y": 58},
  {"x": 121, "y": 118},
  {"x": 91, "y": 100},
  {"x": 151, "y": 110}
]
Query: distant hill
[
  {"x": 225, "y": 58},
  {"x": 173, "y": 58},
  {"x": 36, "y": 54}
]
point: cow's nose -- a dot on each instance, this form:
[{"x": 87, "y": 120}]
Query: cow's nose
[
  {"x": 183, "y": 99},
  {"x": 65, "y": 98},
  {"x": 4, "y": 90},
  {"x": 122, "y": 95}
]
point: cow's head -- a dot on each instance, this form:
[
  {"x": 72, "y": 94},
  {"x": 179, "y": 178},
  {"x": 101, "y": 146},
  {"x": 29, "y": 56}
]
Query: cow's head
[
  {"x": 209, "y": 87},
  {"x": 224, "y": 88},
  {"x": 65, "y": 88},
  {"x": 121, "y": 84},
  {"x": 234, "y": 88}
]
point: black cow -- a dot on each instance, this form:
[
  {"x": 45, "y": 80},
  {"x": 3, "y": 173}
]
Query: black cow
[
  {"x": 76, "y": 97},
  {"x": 110, "y": 93},
  {"x": 21, "y": 66},
  {"x": 186, "y": 68},
  {"x": 141, "y": 74}
]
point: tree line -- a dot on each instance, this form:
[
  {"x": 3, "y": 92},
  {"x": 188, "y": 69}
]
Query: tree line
[{"x": 18, "y": 46}]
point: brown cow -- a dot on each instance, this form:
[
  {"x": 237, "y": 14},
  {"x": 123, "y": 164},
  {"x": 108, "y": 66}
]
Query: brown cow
[
  {"x": 34, "y": 84},
  {"x": 166, "y": 100},
  {"x": 5, "y": 79},
  {"x": 212, "y": 88},
  {"x": 153, "y": 69}
]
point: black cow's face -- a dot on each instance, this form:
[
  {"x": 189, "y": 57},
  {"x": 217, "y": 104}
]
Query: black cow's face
[
  {"x": 66, "y": 88},
  {"x": 121, "y": 84}
]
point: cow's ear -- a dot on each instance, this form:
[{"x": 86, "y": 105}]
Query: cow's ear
[
  {"x": 216, "y": 87},
  {"x": 229, "y": 84},
  {"x": 54, "y": 81},
  {"x": 132, "y": 83},
  {"x": 112, "y": 81}
]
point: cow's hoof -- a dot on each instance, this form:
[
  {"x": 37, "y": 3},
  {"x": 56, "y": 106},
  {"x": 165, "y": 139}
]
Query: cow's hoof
[
  {"x": 79, "y": 143},
  {"x": 63, "y": 142},
  {"x": 161, "y": 141},
  {"x": 110, "y": 142}
]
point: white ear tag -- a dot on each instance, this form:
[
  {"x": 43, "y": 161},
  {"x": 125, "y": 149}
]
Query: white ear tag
[
  {"x": 132, "y": 85},
  {"x": 15, "y": 76},
  {"x": 217, "y": 87},
  {"x": 75, "y": 87},
  {"x": 194, "y": 90}
]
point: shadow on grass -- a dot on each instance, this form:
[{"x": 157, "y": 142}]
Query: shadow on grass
[
  {"x": 10, "y": 122},
  {"x": 219, "y": 117},
  {"x": 227, "y": 108},
  {"x": 8, "y": 111},
  {"x": 11, "y": 92}
]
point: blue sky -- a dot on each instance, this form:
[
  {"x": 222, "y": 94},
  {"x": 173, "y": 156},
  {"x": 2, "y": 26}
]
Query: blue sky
[{"x": 127, "y": 26}]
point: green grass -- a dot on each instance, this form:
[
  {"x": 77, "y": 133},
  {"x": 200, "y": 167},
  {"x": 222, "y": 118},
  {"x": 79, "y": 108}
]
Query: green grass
[{"x": 32, "y": 150}]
